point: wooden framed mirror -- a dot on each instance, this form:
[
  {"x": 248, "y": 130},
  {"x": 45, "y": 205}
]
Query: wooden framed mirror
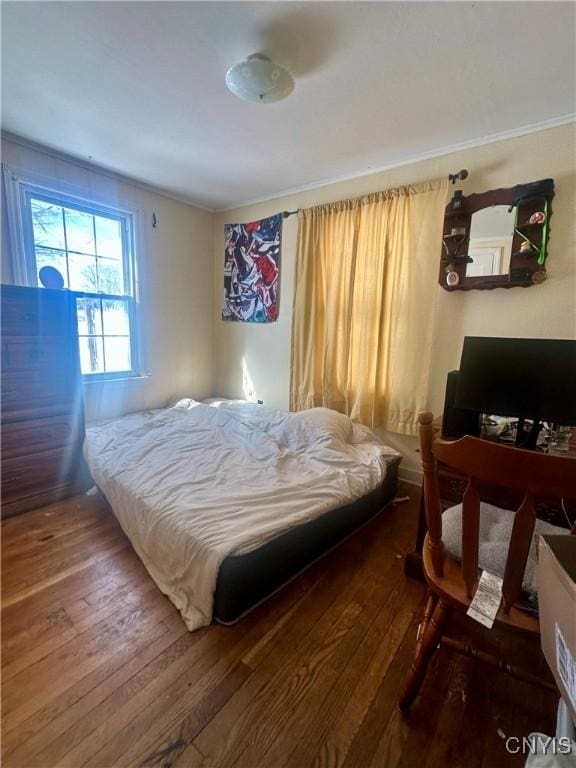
[{"x": 497, "y": 239}]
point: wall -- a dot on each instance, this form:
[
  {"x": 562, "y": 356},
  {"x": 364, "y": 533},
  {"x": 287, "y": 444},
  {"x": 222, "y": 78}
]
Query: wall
[
  {"x": 176, "y": 271},
  {"x": 261, "y": 354},
  {"x": 188, "y": 354}
]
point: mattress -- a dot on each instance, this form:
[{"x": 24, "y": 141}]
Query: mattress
[
  {"x": 195, "y": 486},
  {"x": 244, "y": 581}
]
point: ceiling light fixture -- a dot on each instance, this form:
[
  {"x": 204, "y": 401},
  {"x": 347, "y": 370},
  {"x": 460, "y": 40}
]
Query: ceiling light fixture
[{"x": 259, "y": 79}]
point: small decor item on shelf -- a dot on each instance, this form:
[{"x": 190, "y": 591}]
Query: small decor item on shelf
[
  {"x": 457, "y": 203},
  {"x": 539, "y": 276},
  {"x": 453, "y": 243},
  {"x": 452, "y": 279},
  {"x": 526, "y": 246},
  {"x": 537, "y": 218}
]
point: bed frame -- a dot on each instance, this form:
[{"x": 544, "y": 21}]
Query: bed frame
[{"x": 244, "y": 581}]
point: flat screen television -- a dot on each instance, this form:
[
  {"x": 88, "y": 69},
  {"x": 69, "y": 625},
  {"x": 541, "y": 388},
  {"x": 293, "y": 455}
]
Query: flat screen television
[{"x": 526, "y": 378}]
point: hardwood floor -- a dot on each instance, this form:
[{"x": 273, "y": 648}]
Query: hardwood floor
[{"x": 99, "y": 670}]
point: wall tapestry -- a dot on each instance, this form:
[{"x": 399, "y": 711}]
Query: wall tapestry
[{"x": 252, "y": 270}]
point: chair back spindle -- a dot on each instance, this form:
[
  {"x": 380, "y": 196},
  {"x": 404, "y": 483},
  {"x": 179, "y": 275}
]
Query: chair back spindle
[
  {"x": 432, "y": 505},
  {"x": 518, "y": 550},
  {"x": 470, "y": 536}
]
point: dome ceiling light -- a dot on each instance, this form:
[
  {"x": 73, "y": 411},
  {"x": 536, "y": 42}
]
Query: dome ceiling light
[{"x": 259, "y": 79}]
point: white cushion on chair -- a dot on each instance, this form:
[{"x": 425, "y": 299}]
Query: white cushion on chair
[{"x": 495, "y": 530}]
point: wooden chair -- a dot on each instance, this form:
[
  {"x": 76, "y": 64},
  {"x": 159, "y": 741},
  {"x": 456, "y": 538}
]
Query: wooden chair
[{"x": 452, "y": 584}]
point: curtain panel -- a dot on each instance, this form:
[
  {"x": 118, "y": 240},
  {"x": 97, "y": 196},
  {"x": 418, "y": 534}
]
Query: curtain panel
[{"x": 366, "y": 284}]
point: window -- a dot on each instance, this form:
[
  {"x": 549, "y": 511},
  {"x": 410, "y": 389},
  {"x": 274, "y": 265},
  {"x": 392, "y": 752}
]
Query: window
[{"x": 92, "y": 248}]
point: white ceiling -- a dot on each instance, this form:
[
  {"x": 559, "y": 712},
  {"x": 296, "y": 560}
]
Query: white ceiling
[{"x": 139, "y": 87}]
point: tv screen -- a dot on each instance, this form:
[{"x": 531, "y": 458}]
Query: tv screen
[{"x": 532, "y": 378}]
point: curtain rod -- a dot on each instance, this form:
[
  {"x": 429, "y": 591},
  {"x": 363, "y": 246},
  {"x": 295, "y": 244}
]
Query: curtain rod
[{"x": 453, "y": 177}]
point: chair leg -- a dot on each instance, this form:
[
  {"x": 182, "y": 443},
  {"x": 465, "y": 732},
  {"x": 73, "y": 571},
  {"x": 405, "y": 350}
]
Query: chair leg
[
  {"x": 425, "y": 648},
  {"x": 429, "y": 606}
]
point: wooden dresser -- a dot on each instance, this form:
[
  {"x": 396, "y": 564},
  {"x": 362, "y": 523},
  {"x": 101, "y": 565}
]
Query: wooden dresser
[{"x": 42, "y": 401}]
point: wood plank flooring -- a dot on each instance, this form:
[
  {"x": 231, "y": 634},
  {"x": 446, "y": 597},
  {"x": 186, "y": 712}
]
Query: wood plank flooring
[{"x": 99, "y": 670}]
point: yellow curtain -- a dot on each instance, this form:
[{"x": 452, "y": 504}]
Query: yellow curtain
[{"x": 366, "y": 281}]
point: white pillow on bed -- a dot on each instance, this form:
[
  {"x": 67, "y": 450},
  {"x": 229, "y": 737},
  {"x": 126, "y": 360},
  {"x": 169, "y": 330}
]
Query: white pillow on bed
[
  {"x": 217, "y": 401},
  {"x": 336, "y": 425}
]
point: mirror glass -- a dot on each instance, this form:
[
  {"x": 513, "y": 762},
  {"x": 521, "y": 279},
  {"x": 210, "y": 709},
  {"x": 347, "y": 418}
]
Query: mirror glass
[{"x": 491, "y": 233}]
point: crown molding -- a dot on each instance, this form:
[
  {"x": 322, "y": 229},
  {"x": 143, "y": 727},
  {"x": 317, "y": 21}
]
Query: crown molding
[
  {"x": 101, "y": 170},
  {"x": 417, "y": 158},
  {"x": 373, "y": 170}
]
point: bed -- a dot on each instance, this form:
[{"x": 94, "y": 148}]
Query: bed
[{"x": 226, "y": 501}]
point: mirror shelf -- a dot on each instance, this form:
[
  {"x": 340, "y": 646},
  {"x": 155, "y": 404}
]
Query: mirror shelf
[{"x": 497, "y": 239}]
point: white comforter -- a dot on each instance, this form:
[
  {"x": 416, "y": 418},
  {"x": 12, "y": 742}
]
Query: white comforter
[{"x": 194, "y": 483}]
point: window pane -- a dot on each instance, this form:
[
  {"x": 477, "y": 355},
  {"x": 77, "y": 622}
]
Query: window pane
[
  {"x": 47, "y": 224},
  {"x": 89, "y": 317},
  {"x": 80, "y": 231},
  {"x": 91, "y": 354},
  {"x": 116, "y": 318},
  {"x": 83, "y": 273},
  {"x": 46, "y": 257},
  {"x": 108, "y": 237},
  {"x": 90, "y": 251},
  {"x": 110, "y": 276},
  {"x": 117, "y": 353}
]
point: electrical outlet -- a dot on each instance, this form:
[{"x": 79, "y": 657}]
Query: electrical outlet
[{"x": 260, "y": 402}]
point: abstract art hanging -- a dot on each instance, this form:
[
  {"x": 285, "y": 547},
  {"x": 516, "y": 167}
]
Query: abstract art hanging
[{"x": 252, "y": 270}]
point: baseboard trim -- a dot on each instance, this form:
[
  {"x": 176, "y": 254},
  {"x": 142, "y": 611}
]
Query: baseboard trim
[{"x": 412, "y": 476}]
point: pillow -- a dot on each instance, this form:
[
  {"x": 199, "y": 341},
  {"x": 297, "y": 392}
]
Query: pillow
[
  {"x": 336, "y": 425},
  {"x": 215, "y": 401}
]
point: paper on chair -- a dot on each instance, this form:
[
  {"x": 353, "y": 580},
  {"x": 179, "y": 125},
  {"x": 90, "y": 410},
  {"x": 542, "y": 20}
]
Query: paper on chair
[{"x": 486, "y": 602}]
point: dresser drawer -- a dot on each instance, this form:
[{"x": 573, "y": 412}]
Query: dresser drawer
[
  {"x": 27, "y": 353},
  {"x": 38, "y": 391},
  {"x": 24, "y": 476},
  {"x": 30, "y": 311},
  {"x": 25, "y": 437}
]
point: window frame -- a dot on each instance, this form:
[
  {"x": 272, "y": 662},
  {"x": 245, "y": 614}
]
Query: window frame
[
  {"x": 19, "y": 191},
  {"x": 132, "y": 316}
]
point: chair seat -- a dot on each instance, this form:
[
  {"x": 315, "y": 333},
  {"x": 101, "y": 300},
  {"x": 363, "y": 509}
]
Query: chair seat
[
  {"x": 495, "y": 531},
  {"x": 452, "y": 590}
]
